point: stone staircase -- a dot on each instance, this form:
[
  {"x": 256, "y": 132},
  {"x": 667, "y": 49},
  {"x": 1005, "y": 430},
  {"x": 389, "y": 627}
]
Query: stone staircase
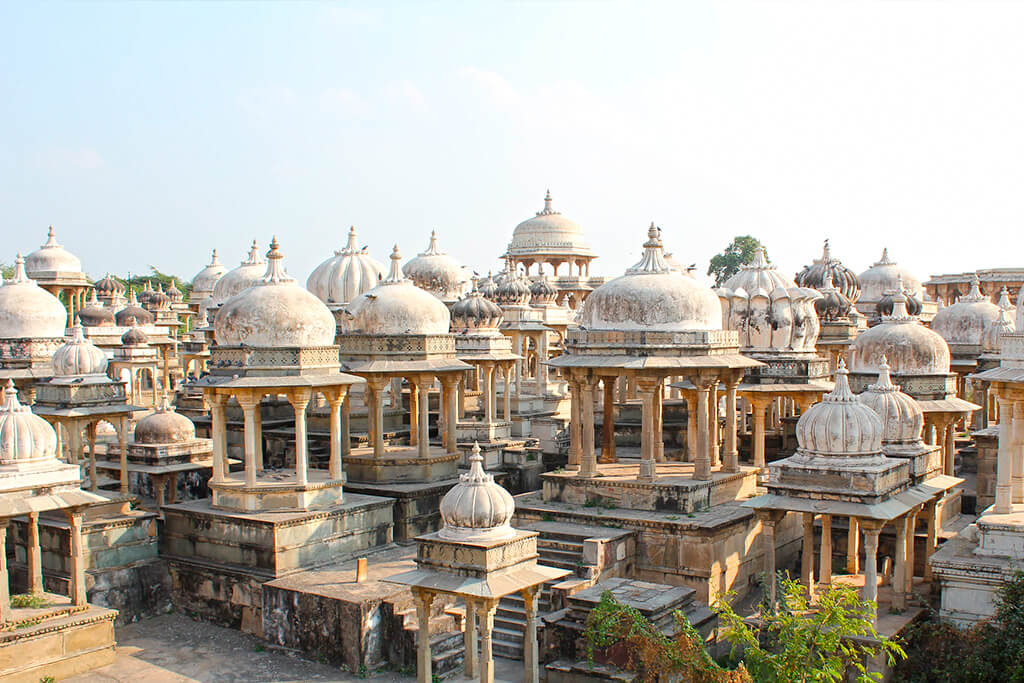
[{"x": 447, "y": 644}]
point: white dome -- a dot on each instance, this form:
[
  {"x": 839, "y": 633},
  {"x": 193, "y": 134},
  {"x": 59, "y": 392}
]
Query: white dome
[
  {"x": 965, "y": 321},
  {"x": 396, "y": 306},
  {"x": 206, "y": 279},
  {"x": 830, "y": 270},
  {"x": 24, "y": 436},
  {"x": 768, "y": 310},
  {"x": 475, "y": 312},
  {"x": 164, "y": 426},
  {"x": 27, "y": 310},
  {"x": 884, "y": 276},
  {"x": 51, "y": 258},
  {"x": 651, "y": 296},
  {"x": 477, "y": 509},
  {"x": 549, "y": 232},
  {"x": 437, "y": 272},
  {"x": 248, "y": 273},
  {"x": 840, "y": 425},
  {"x": 275, "y": 312},
  {"x": 901, "y": 415},
  {"x": 909, "y": 347},
  {"x": 346, "y": 275},
  {"x": 992, "y": 339},
  {"x": 79, "y": 357}
]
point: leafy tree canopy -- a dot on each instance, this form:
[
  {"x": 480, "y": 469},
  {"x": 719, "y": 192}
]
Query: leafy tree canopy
[{"x": 740, "y": 251}]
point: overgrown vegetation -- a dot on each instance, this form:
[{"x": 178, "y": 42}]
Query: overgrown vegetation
[
  {"x": 29, "y": 600},
  {"x": 726, "y": 264}
]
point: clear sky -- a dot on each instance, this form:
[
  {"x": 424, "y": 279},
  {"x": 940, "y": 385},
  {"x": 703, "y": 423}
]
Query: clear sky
[{"x": 148, "y": 133}]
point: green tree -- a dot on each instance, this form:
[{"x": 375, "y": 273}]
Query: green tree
[
  {"x": 740, "y": 251},
  {"x": 6, "y": 271}
]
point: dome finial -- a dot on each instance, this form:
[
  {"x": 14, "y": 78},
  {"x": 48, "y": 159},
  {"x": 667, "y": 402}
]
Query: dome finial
[
  {"x": 884, "y": 382},
  {"x": 548, "y": 209},
  {"x": 653, "y": 260},
  {"x": 884, "y": 261},
  {"x": 276, "y": 273},
  {"x": 1004, "y": 300},
  {"x": 432, "y": 248},
  {"x": 841, "y": 392},
  {"x": 213, "y": 259},
  {"x": 51, "y": 240},
  {"x": 975, "y": 294},
  {"x": 19, "y": 271},
  {"x": 254, "y": 255},
  {"x": 826, "y": 253},
  {"x": 395, "y": 274},
  {"x": 10, "y": 394},
  {"x": 353, "y": 245}
]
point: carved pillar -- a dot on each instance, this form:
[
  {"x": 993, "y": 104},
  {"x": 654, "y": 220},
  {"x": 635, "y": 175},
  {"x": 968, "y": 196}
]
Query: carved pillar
[
  {"x": 531, "y": 659},
  {"x": 826, "y": 550},
  {"x": 507, "y": 398},
  {"x": 949, "y": 448},
  {"x": 450, "y": 385},
  {"x": 1017, "y": 456},
  {"x": 5, "y": 597},
  {"x": 122, "y": 444},
  {"x": 608, "y": 437},
  {"x": 423, "y": 441},
  {"x": 90, "y": 436},
  {"x": 575, "y": 423},
  {"x": 658, "y": 414},
  {"x": 899, "y": 570},
  {"x": 35, "y": 555},
  {"x": 250, "y": 406},
  {"x": 908, "y": 586},
  {"x": 932, "y": 513},
  {"x": 299, "y": 398},
  {"x": 588, "y": 460},
  {"x": 759, "y": 404},
  {"x": 74, "y": 516},
  {"x": 414, "y": 415},
  {"x": 376, "y": 385},
  {"x": 489, "y": 377},
  {"x": 647, "y": 465},
  {"x": 853, "y": 547},
  {"x": 731, "y": 458},
  {"x": 542, "y": 369},
  {"x": 336, "y": 400},
  {"x": 691, "y": 426},
  {"x": 807, "y": 554},
  {"x": 769, "y": 519},
  {"x": 713, "y": 424},
  {"x": 423, "y": 660},
  {"x": 871, "y": 530},
  {"x": 472, "y": 661},
  {"x": 702, "y": 468},
  {"x": 487, "y": 609},
  {"x": 218, "y": 431}
]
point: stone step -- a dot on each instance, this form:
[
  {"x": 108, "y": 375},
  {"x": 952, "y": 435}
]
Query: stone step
[
  {"x": 562, "y": 564},
  {"x": 548, "y": 556},
  {"x": 512, "y": 624},
  {"x": 547, "y": 543}
]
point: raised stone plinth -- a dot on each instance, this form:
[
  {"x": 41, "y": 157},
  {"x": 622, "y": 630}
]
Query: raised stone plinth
[
  {"x": 278, "y": 491},
  {"x": 400, "y": 465},
  {"x": 469, "y": 431},
  {"x": 56, "y": 642}
]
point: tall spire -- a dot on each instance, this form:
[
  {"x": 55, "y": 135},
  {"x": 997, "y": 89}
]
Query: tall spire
[
  {"x": 395, "y": 274},
  {"x": 20, "y": 277},
  {"x": 653, "y": 260},
  {"x": 276, "y": 273},
  {"x": 826, "y": 253},
  {"x": 975, "y": 295},
  {"x": 213, "y": 259},
  {"x": 51, "y": 240},
  {"x": 433, "y": 249},
  {"x": 353, "y": 245},
  {"x": 884, "y": 261},
  {"x": 884, "y": 382},
  {"x": 254, "y": 255},
  {"x": 841, "y": 393},
  {"x": 548, "y": 210}
]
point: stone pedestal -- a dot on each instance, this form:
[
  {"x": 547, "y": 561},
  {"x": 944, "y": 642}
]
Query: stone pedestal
[{"x": 59, "y": 646}]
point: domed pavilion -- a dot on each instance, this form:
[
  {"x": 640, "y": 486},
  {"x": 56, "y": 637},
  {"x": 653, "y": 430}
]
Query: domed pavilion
[
  {"x": 438, "y": 273},
  {"x": 837, "y": 315},
  {"x": 344, "y": 276},
  {"x": 32, "y": 325},
  {"x": 59, "y": 272}
]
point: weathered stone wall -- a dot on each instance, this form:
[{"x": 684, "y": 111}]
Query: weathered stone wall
[{"x": 218, "y": 595}]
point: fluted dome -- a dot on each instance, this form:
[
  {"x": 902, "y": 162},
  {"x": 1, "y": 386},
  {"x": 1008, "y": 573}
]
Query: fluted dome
[
  {"x": 205, "y": 281},
  {"x": 133, "y": 310},
  {"x": 548, "y": 233},
  {"x": 174, "y": 294},
  {"x": 164, "y": 426},
  {"x": 396, "y": 306},
  {"x": 840, "y": 425},
  {"x": 158, "y": 301},
  {"x": 27, "y": 310},
  {"x": 95, "y": 314},
  {"x": 477, "y": 509},
  {"x": 885, "y": 275},
  {"x": 513, "y": 289},
  {"x": 437, "y": 272},
  {"x": 249, "y": 272},
  {"x": 652, "y": 296},
  {"x": 965, "y": 321},
  {"x": 488, "y": 287},
  {"x": 108, "y": 286},
  {"x": 275, "y": 312},
  {"x": 346, "y": 275},
  {"x": 134, "y": 336},
  {"x": 992, "y": 339},
  {"x": 910, "y": 347},
  {"x": 51, "y": 258},
  {"x": 884, "y": 306},
  {"x": 768, "y": 310},
  {"x": 833, "y": 304},
  {"x": 901, "y": 415},
  {"x": 542, "y": 292},
  {"x": 475, "y": 312},
  {"x": 79, "y": 357},
  {"x": 842, "y": 278},
  {"x": 24, "y": 436}
]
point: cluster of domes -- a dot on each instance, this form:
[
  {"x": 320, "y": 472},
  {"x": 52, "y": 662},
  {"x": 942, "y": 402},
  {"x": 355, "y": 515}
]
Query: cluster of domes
[
  {"x": 477, "y": 509},
  {"x": 886, "y": 275},
  {"x": 548, "y": 232},
  {"x": 50, "y": 259},
  {"x": 840, "y": 424},
  {"x": 909, "y": 347},
  {"x": 437, "y": 272},
  {"x": 652, "y": 296},
  {"x": 768, "y": 310},
  {"x": 901, "y": 415},
  {"x": 966, "y": 321},
  {"x": 513, "y": 287},
  {"x": 27, "y": 311},
  {"x": 24, "y": 436},
  {"x": 164, "y": 426},
  {"x": 346, "y": 275},
  {"x": 475, "y": 312},
  {"x": 830, "y": 271},
  {"x": 249, "y": 272},
  {"x": 79, "y": 357},
  {"x": 274, "y": 312},
  {"x": 397, "y": 306}
]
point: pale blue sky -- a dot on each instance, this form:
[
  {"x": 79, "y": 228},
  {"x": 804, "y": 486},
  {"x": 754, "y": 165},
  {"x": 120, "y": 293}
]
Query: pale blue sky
[{"x": 148, "y": 133}]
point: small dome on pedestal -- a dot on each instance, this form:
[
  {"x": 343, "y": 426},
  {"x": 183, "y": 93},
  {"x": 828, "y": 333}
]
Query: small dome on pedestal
[
  {"x": 477, "y": 509},
  {"x": 840, "y": 425},
  {"x": 79, "y": 357},
  {"x": 24, "y": 436},
  {"x": 901, "y": 415},
  {"x": 164, "y": 426}
]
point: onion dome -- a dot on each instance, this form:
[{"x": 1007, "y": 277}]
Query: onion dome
[
  {"x": 206, "y": 279},
  {"x": 651, "y": 296},
  {"x": 843, "y": 279},
  {"x": 27, "y": 311},
  {"x": 396, "y": 306},
  {"x": 914, "y": 303},
  {"x": 134, "y": 336},
  {"x": 488, "y": 287},
  {"x": 158, "y": 301},
  {"x": 833, "y": 304},
  {"x": 965, "y": 321},
  {"x": 514, "y": 288},
  {"x": 768, "y": 310},
  {"x": 909, "y": 347},
  {"x": 840, "y": 425},
  {"x": 548, "y": 233},
  {"x": 95, "y": 314},
  {"x": 146, "y": 293},
  {"x": 164, "y": 426},
  {"x": 133, "y": 311},
  {"x": 346, "y": 275},
  {"x": 992, "y": 339},
  {"x": 174, "y": 294},
  {"x": 51, "y": 258},
  {"x": 249, "y": 272},
  {"x": 24, "y": 436},
  {"x": 901, "y": 415},
  {"x": 108, "y": 286},
  {"x": 477, "y": 509},
  {"x": 79, "y": 357},
  {"x": 542, "y": 292},
  {"x": 475, "y": 312},
  {"x": 884, "y": 276},
  {"x": 437, "y": 272},
  {"x": 275, "y": 312}
]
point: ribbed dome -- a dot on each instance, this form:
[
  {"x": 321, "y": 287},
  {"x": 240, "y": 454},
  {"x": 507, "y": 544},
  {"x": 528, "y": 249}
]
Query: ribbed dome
[
  {"x": 158, "y": 301},
  {"x": 27, "y": 310},
  {"x": 840, "y": 425},
  {"x": 134, "y": 336},
  {"x": 79, "y": 357},
  {"x": 475, "y": 312},
  {"x": 513, "y": 289},
  {"x": 51, "y": 258},
  {"x": 884, "y": 306},
  {"x": 965, "y": 321},
  {"x": 992, "y": 340},
  {"x": 274, "y": 312},
  {"x": 885, "y": 275},
  {"x": 549, "y": 232},
  {"x": 133, "y": 310},
  {"x": 248, "y": 273},
  {"x": 206, "y": 279},
  {"x": 108, "y": 286},
  {"x": 396, "y": 306},
  {"x": 174, "y": 294},
  {"x": 833, "y": 304},
  {"x": 542, "y": 292},
  {"x": 488, "y": 287},
  {"x": 901, "y": 415},
  {"x": 346, "y": 275},
  {"x": 24, "y": 436},
  {"x": 911, "y": 348},
  {"x": 843, "y": 279},
  {"x": 437, "y": 272},
  {"x": 768, "y": 310},
  {"x": 164, "y": 426},
  {"x": 652, "y": 296},
  {"x": 477, "y": 510},
  {"x": 95, "y": 314}
]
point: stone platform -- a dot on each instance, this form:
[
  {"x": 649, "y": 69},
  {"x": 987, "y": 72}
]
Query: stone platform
[
  {"x": 416, "y": 506},
  {"x": 400, "y": 465}
]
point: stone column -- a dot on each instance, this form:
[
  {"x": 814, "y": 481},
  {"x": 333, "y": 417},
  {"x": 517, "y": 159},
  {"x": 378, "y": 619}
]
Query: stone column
[
  {"x": 899, "y": 570},
  {"x": 5, "y": 597},
  {"x": 713, "y": 425},
  {"x": 450, "y": 384},
  {"x": 647, "y": 465},
  {"x": 871, "y": 530},
  {"x": 826, "y": 551},
  {"x": 759, "y": 405},
  {"x": 489, "y": 377},
  {"x": 731, "y": 458},
  {"x": 35, "y": 555},
  {"x": 702, "y": 469},
  {"x": 259, "y": 433},
  {"x": 78, "y": 596},
  {"x": 336, "y": 399},
  {"x": 608, "y": 436},
  {"x": 299, "y": 398},
  {"x": 853, "y": 547},
  {"x": 423, "y": 659},
  {"x": 769, "y": 519},
  {"x": 472, "y": 660},
  {"x": 122, "y": 444},
  {"x": 949, "y": 448},
  {"x": 218, "y": 431},
  {"x": 423, "y": 441},
  {"x": 575, "y": 423},
  {"x": 414, "y": 416},
  {"x": 346, "y": 432},
  {"x": 932, "y": 513},
  {"x": 250, "y": 406},
  {"x": 658, "y": 414},
  {"x": 376, "y": 386},
  {"x": 908, "y": 586},
  {"x": 542, "y": 369},
  {"x": 487, "y": 609},
  {"x": 90, "y": 436},
  {"x": 531, "y": 659},
  {"x": 1017, "y": 454},
  {"x": 507, "y": 397},
  {"x": 588, "y": 460},
  {"x": 807, "y": 554},
  {"x": 691, "y": 426}
]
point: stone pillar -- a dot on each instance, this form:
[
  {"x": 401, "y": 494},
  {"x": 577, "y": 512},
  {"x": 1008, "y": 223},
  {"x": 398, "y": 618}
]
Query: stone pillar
[
  {"x": 769, "y": 519},
  {"x": 702, "y": 468},
  {"x": 488, "y": 395},
  {"x": 713, "y": 425},
  {"x": 1017, "y": 454},
  {"x": 90, "y": 435},
  {"x": 731, "y": 457},
  {"x": 807, "y": 554},
  {"x": 78, "y": 596},
  {"x": 250, "y": 406},
  {"x": 423, "y": 659},
  {"x": 450, "y": 384},
  {"x": 346, "y": 433},
  {"x": 949, "y": 448},
  {"x": 122, "y": 444},
  {"x": 932, "y": 512},
  {"x": 299, "y": 398},
  {"x": 259, "y": 434},
  {"x": 472, "y": 660},
  {"x": 691, "y": 426},
  {"x": 853, "y": 547},
  {"x": 826, "y": 551},
  {"x": 35, "y": 555},
  {"x": 542, "y": 369},
  {"x": 531, "y": 659},
  {"x": 871, "y": 530},
  {"x": 588, "y": 459},
  {"x": 658, "y": 414},
  {"x": 336, "y": 400},
  {"x": 5, "y": 597},
  {"x": 414, "y": 416},
  {"x": 575, "y": 423},
  {"x": 507, "y": 397},
  {"x": 899, "y": 570},
  {"x": 908, "y": 586},
  {"x": 423, "y": 441},
  {"x": 376, "y": 386},
  {"x": 218, "y": 431},
  {"x": 647, "y": 466},
  {"x": 487, "y": 609},
  {"x": 759, "y": 405},
  {"x": 608, "y": 437}
]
